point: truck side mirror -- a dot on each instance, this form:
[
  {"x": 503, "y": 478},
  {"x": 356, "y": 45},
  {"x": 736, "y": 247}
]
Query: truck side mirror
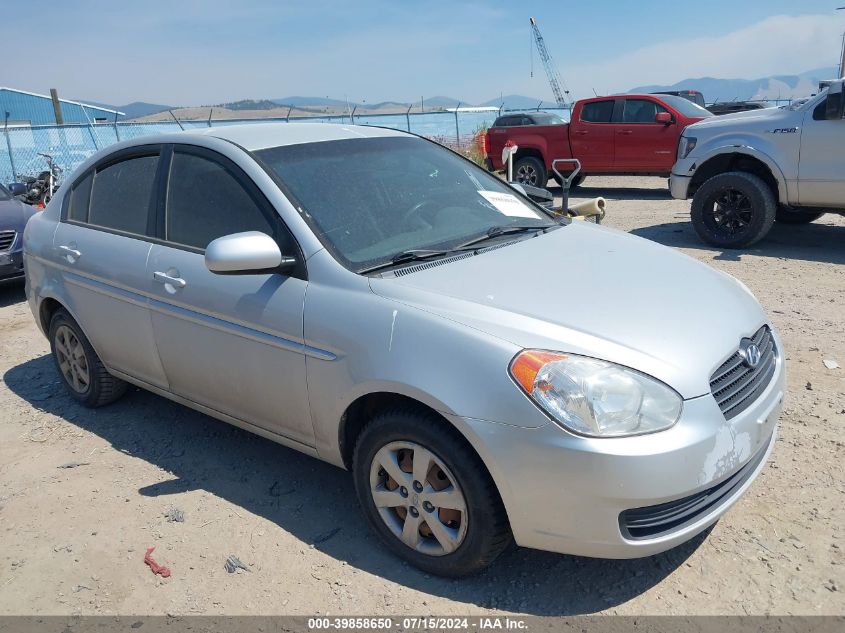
[
  {"x": 663, "y": 117},
  {"x": 834, "y": 107}
]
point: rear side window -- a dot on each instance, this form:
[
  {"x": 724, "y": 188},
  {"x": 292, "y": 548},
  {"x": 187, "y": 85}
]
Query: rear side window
[
  {"x": 122, "y": 195},
  {"x": 641, "y": 111},
  {"x": 205, "y": 201},
  {"x": 597, "y": 111},
  {"x": 80, "y": 195}
]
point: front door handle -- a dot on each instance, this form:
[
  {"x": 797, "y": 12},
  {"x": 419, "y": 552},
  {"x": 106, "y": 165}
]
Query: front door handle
[
  {"x": 626, "y": 132},
  {"x": 580, "y": 132},
  {"x": 164, "y": 278},
  {"x": 67, "y": 250}
]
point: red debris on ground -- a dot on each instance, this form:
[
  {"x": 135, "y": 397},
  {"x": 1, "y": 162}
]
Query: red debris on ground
[{"x": 161, "y": 570}]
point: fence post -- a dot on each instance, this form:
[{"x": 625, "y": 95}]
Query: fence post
[
  {"x": 9, "y": 146},
  {"x": 90, "y": 128},
  {"x": 210, "y": 110},
  {"x": 116, "y": 131},
  {"x": 352, "y": 116},
  {"x": 457, "y": 129},
  {"x": 287, "y": 118},
  {"x": 408, "y": 117}
]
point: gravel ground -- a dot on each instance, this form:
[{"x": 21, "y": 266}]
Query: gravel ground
[{"x": 74, "y": 539}]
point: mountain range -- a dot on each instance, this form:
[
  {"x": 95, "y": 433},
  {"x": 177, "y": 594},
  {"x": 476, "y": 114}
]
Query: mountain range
[{"x": 714, "y": 89}]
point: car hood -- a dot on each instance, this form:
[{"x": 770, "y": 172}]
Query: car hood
[
  {"x": 586, "y": 289},
  {"x": 14, "y": 215},
  {"x": 764, "y": 115}
]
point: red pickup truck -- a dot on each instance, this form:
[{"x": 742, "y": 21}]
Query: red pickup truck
[{"x": 619, "y": 135}]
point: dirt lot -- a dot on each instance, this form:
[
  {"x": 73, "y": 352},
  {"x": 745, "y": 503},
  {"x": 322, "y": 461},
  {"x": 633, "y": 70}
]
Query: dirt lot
[{"x": 73, "y": 539}]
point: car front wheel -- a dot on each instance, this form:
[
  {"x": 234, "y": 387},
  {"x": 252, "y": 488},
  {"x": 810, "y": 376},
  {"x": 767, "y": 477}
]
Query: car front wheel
[
  {"x": 428, "y": 496},
  {"x": 733, "y": 210}
]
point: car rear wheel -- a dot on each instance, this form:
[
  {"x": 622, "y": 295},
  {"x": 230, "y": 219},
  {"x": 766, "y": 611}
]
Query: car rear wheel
[
  {"x": 733, "y": 210},
  {"x": 427, "y": 494},
  {"x": 80, "y": 369},
  {"x": 790, "y": 215},
  {"x": 530, "y": 170}
]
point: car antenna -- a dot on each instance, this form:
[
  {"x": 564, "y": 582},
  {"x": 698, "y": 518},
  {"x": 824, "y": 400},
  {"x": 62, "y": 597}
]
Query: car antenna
[{"x": 181, "y": 127}]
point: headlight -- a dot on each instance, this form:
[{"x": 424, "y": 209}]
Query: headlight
[
  {"x": 685, "y": 146},
  {"x": 595, "y": 397}
]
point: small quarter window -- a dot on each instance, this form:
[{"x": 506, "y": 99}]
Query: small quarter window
[{"x": 80, "y": 195}]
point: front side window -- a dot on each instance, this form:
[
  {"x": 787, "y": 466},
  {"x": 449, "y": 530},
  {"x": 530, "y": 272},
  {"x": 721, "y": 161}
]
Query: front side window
[
  {"x": 205, "y": 201},
  {"x": 641, "y": 111},
  {"x": 369, "y": 199},
  {"x": 122, "y": 195},
  {"x": 597, "y": 111}
]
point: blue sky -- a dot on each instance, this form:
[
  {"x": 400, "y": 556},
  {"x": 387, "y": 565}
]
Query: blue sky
[{"x": 206, "y": 52}]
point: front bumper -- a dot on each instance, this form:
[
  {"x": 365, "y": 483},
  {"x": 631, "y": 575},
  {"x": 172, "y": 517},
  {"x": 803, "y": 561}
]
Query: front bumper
[
  {"x": 11, "y": 265},
  {"x": 566, "y": 494},
  {"x": 679, "y": 186}
]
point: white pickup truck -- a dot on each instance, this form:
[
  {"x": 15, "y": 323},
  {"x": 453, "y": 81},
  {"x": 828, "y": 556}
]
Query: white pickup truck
[{"x": 746, "y": 171}]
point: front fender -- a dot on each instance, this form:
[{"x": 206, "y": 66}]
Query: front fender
[{"x": 692, "y": 164}]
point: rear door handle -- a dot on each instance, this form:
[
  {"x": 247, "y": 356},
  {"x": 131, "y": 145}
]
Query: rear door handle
[
  {"x": 164, "y": 278},
  {"x": 72, "y": 252},
  {"x": 626, "y": 132},
  {"x": 580, "y": 132}
]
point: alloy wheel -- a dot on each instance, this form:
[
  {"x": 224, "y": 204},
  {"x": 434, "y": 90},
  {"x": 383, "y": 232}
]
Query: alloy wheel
[
  {"x": 418, "y": 498},
  {"x": 731, "y": 212},
  {"x": 73, "y": 363},
  {"x": 527, "y": 175}
]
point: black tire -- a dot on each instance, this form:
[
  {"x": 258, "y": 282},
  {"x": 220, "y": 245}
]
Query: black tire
[
  {"x": 579, "y": 179},
  {"x": 733, "y": 210},
  {"x": 789, "y": 215},
  {"x": 530, "y": 170},
  {"x": 102, "y": 388},
  {"x": 487, "y": 530}
]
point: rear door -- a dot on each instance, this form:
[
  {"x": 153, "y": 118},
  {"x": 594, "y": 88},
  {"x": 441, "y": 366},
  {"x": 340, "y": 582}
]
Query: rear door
[
  {"x": 642, "y": 144},
  {"x": 232, "y": 343},
  {"x": 101, "y": 246},
  {"x": 591, "y": 136}
]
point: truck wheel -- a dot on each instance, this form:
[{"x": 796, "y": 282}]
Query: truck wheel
[
  {"x": 788, "y": 215},
  {"x": 733, "y": 210},
  {"x": 530, "y": 170}
]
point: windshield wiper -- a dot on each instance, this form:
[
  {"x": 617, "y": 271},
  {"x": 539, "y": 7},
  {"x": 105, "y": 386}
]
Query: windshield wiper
[
  {"x": 506, "y": 229},
  {"x": 404, "y": 257}
]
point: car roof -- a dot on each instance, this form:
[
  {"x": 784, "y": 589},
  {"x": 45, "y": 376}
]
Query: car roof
[{"x": 255, "y": 136}]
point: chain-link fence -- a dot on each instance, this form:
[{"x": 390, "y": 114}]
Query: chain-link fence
[{"x": 70, "y": 145}]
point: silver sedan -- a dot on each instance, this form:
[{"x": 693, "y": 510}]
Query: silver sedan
[{"x": 487, "y": 370}]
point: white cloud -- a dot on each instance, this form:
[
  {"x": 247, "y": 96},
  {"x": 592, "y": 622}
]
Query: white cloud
[{"x": 779, "y": 45}]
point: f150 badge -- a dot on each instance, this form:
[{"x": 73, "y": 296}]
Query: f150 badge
[{"x": 783, "y": 130}]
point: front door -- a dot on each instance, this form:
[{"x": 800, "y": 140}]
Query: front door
[
  {"x": 821, "y": 167},
  {"x": 233, "y": 343},
  {"x": 642, "y": 144}
]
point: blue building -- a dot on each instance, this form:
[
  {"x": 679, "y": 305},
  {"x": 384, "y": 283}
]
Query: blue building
[{"x": 27, "y": 108}]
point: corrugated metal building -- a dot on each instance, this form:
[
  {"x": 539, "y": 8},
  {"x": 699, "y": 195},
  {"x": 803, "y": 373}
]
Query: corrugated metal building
[{"x": 21, "y": 107}]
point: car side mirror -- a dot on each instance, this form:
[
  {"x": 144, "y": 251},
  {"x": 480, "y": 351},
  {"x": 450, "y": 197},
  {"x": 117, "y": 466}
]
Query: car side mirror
[
  {"x": 834, "y": 106},
  {"x": 663, "y": 117},
  {"x": 245, "y": 253},
  {"x": 17, "y": 188}
]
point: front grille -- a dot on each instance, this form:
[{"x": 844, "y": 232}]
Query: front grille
[
  {"x": 735, "y": 385},
  {"x": 655, "y": 521},
  {"x": 7, "y": 238}
]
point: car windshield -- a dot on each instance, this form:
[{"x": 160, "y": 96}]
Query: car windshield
[
  {"x": 686, "y": 107},
  {"x": 369, "y": 200}
]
